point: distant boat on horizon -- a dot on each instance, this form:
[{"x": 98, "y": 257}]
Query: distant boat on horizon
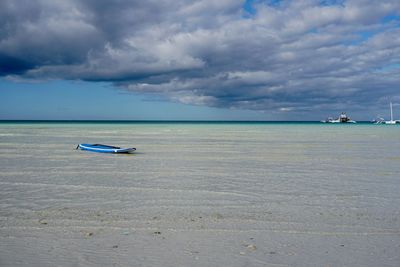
[
  {"x": 343, "y": 118},
  {"x": 391, "y": 122}
]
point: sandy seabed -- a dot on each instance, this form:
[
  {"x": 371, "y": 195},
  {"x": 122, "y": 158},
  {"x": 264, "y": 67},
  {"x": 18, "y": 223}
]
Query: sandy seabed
[{"x": 200, "y": 195}]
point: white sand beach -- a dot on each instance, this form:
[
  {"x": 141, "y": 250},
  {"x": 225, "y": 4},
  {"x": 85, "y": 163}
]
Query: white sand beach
[{"x": 200, "y": 195}]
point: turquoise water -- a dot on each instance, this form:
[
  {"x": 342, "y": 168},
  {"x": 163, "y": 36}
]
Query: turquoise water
[{"x": 300, "y": 190}]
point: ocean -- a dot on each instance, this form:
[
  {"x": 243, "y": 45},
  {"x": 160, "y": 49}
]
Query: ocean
[{"x": 200, "y": 194}]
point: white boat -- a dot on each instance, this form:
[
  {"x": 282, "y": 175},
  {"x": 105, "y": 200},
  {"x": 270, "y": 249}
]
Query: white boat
[
  {"x": 378, "y": 120},
  {"x": 343, "y": 118},
  {"x": 391, "y": 117}
]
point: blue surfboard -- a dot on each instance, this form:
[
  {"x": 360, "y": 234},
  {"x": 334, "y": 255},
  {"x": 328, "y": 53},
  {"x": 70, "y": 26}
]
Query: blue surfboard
[{"x": 105, "y": 148}]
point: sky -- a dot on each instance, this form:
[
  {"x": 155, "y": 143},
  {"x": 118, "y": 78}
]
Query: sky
[{"x": 199, "y": 60}]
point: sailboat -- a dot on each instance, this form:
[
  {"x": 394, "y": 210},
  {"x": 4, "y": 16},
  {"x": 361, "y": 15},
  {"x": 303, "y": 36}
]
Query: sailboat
[{"x": 391, "y": 117}]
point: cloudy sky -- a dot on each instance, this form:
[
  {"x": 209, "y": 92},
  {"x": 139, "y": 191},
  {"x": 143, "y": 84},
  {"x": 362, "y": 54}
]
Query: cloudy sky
[{"x": 205, "y": 59}]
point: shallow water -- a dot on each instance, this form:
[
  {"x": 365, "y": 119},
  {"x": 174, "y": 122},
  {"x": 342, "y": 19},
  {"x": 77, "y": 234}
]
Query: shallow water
[{"x": 231, "y": 194}]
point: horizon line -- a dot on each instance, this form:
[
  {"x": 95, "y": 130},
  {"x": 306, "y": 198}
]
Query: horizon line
[{"x": 184, "y": 121}]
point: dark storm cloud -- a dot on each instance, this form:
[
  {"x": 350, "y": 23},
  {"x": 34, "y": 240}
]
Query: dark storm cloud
[
  {"x": 13, "y": 65},
  {"x": 289, "y": 56}
]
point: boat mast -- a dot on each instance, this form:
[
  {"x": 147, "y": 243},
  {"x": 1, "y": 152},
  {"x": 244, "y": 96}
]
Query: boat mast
[{"x": 391, "y": 112}]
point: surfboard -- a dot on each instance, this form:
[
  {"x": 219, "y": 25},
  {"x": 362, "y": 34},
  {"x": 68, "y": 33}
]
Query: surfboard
[{"x": 104, "y": 148}]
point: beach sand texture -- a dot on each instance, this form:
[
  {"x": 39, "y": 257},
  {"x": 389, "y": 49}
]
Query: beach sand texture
[{"x": 200, "y": 195}]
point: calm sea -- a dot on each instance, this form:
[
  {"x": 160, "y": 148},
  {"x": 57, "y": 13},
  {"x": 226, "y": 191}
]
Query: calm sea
[{"x": 327, "y": 180}]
